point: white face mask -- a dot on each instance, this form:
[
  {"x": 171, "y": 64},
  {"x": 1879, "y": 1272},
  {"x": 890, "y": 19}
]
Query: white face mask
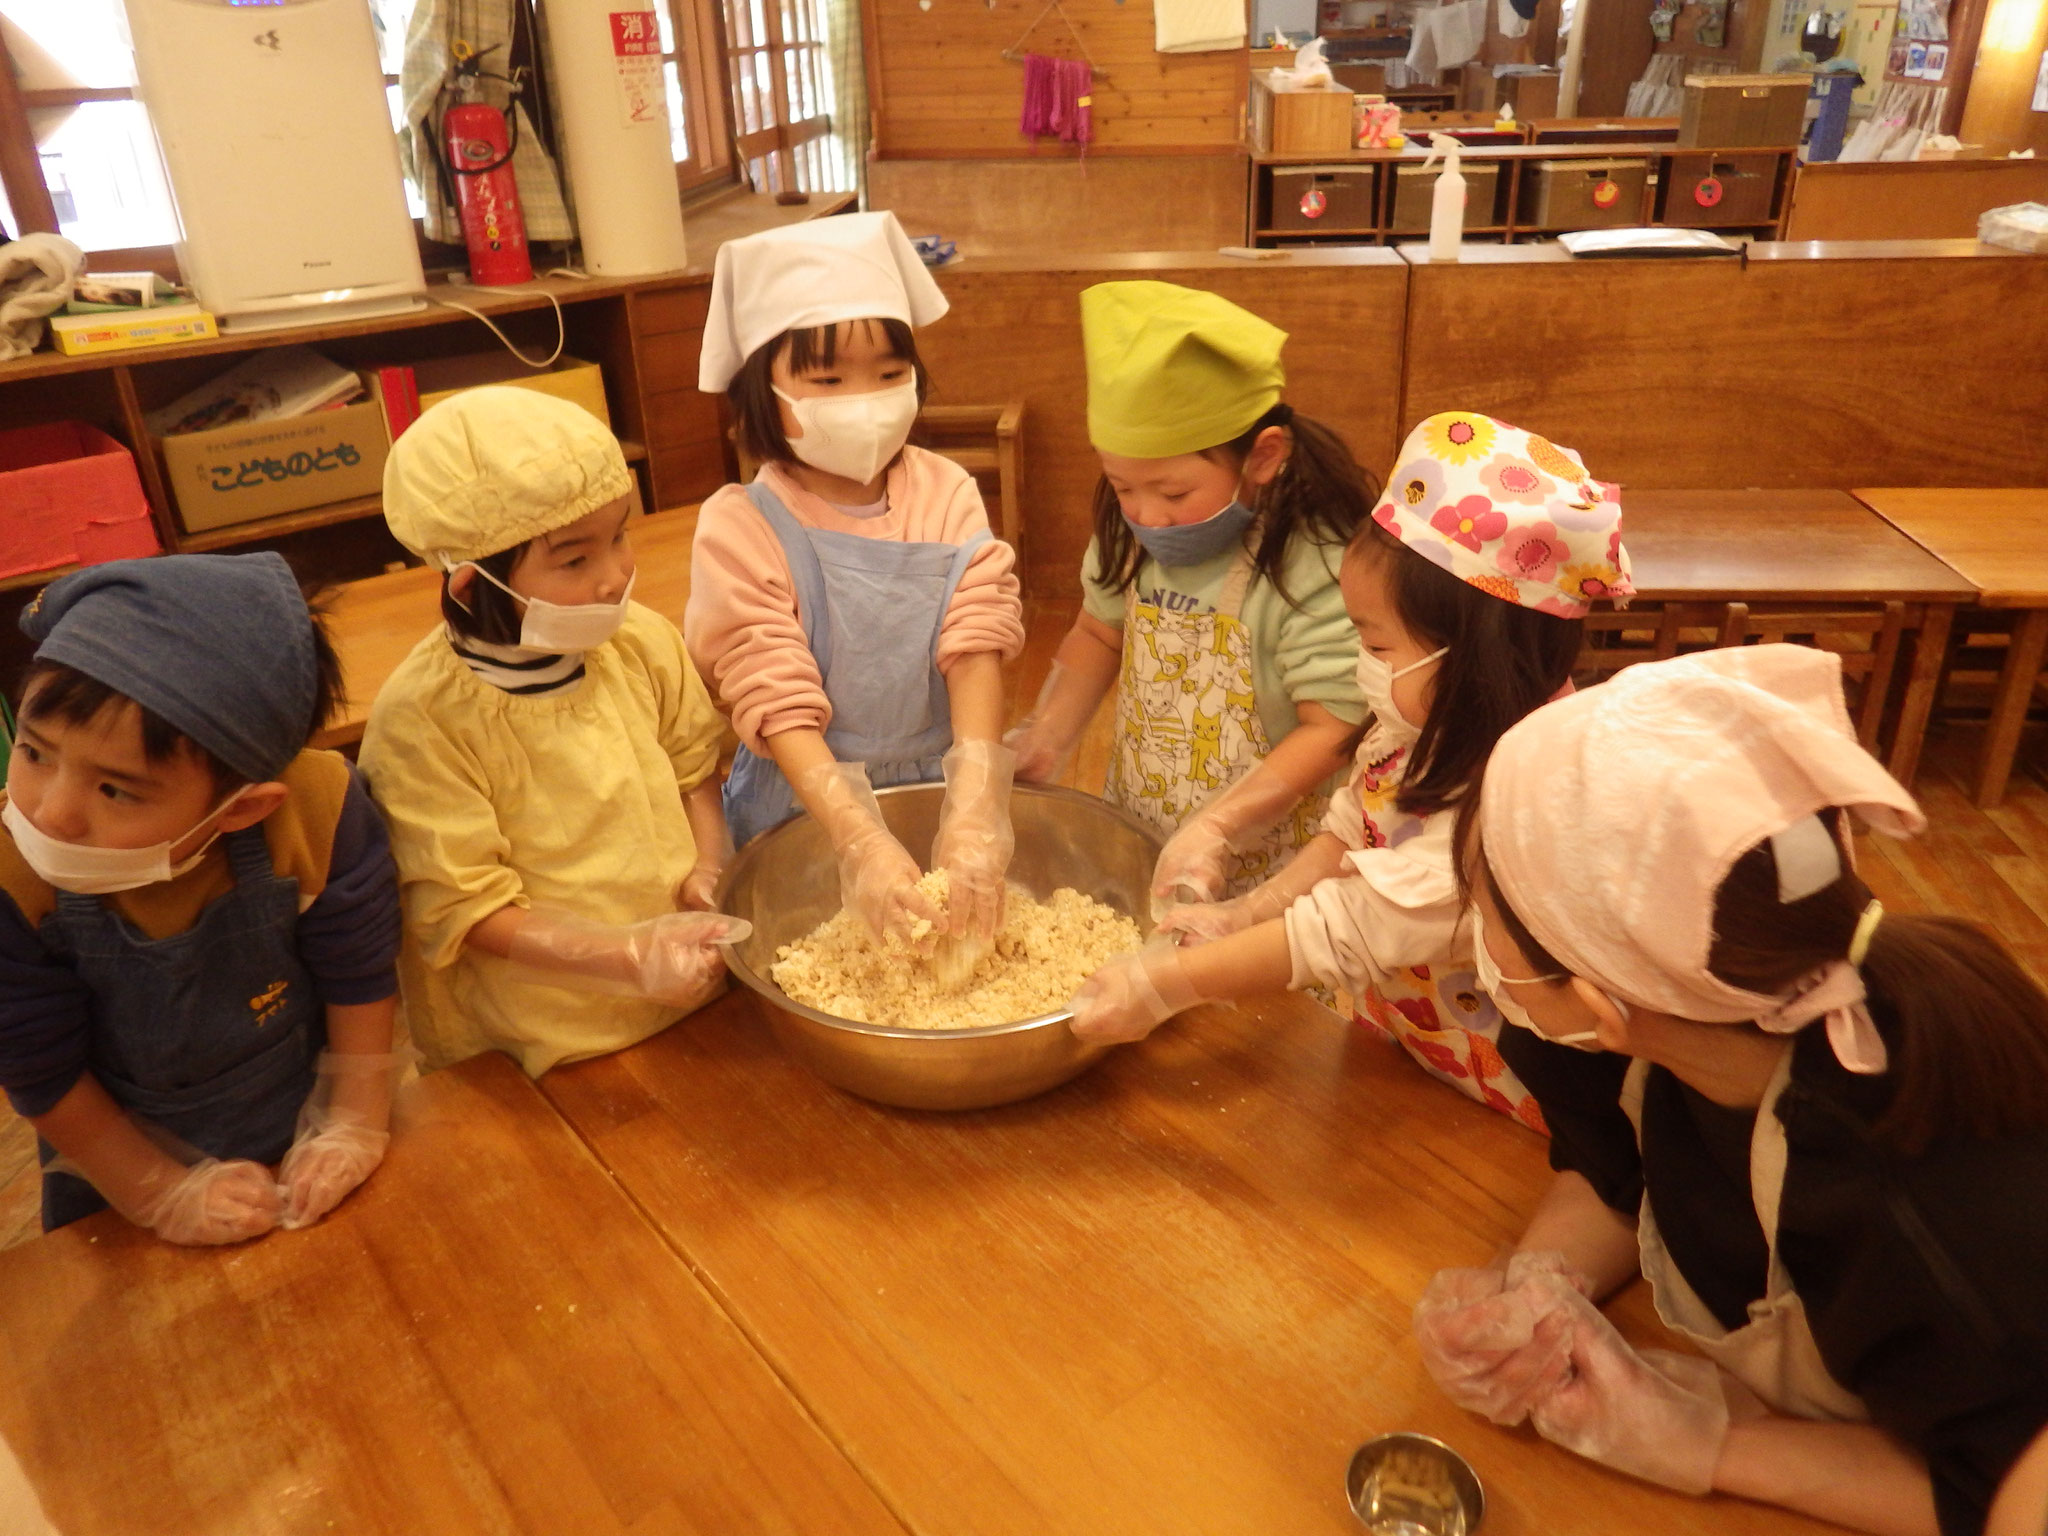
[
  {"x": 1496, "y": 987},
  {"x": 559, "y": 628},
  {"x": 1376, "y": 682},
  {"x": 88, "y": 871},
  {"x": 853, "y": 436}
]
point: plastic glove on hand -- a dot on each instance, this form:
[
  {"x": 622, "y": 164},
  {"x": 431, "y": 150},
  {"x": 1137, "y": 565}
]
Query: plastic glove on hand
[
  {"x": 1133, "y": 995},
  {"x": 1650, "y": 1413},
  {"x": 1204, "y": 922},
  {"x": 682, "y": 955},
  {"x": 877, "y": 879},
  {"x": 1496, "y": 1340},
  {"x": 1196, "y": 859},
  {"x": 699, "y": 892},
  {"x": 213, "y": 1202},
  {"x": 975, "y": 840},
  {"x": 335, "y": 1151},
  {"x": 1042, "y": 744},
  {"x": 673, "y": 958}
]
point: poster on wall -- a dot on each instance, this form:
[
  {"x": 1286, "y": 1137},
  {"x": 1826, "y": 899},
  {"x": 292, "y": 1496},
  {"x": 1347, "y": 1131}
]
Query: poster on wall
[
  {"x": 1916, "y": 61},
  {"x": 1899, "y": 59},
  {"x": 1936, "y": 63},
  {"x": 1925, "y": 20}
]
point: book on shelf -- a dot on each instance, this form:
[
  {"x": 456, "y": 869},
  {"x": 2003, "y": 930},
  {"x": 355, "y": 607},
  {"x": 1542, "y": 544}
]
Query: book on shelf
[
  {"x": 271, "y": 385},
  {"x": 79, "y": 335}
]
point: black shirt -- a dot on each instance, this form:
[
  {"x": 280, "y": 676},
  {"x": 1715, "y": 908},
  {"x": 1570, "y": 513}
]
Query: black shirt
[{"x": 1925, "y": 1282}]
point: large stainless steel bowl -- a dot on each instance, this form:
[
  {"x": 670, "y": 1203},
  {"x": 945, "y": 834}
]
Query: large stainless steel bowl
[{"x": 786, "y": 882}]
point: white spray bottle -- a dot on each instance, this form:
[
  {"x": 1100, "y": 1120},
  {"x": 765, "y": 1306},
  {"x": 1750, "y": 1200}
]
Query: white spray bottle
[{"x": 1447, "y": 203}]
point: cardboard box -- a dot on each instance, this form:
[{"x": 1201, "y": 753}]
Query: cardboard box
[
  {"x": 1415, "y": 196},
  {"x": 77, "y": 335},
  {"x": 1299, "y": 122},
  {"x": 1719, "y": 191},
  {"x": 1735, "y": 111},
  {"x": 238, "y": 473},
  {"x": 1583, "y": 194},
  {"x": 404, "y": 392},
  {"x": 69, "y": 495}
]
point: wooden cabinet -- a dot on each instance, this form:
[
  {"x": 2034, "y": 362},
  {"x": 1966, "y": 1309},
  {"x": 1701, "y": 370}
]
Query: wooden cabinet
[{"x": 644, "y": 335}]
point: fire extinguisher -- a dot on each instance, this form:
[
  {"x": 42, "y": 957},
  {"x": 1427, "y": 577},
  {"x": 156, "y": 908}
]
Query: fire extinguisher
[{"x": 477, "y": 154}]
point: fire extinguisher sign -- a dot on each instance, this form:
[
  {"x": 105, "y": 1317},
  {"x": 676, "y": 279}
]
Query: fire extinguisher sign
[{"x": 636, "y": 55}]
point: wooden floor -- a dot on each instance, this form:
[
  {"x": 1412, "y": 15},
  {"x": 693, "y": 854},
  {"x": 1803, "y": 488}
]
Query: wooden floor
[{"x": 1991, "y": 866}]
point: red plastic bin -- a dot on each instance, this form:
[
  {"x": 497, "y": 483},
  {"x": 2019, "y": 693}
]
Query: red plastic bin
[{"x": 69, "y": 495}]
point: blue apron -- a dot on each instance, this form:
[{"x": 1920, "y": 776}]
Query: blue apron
[
  {"x": 890, "y": 709},
  {"x": 211, "y": 1034}
]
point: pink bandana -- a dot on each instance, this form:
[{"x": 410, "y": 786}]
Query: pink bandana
[
  {"x": 1611, "y": 818},
  {"x": 1509, "y": 512}
]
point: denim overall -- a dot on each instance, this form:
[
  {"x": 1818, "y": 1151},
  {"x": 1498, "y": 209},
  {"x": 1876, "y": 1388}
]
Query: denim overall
[
  {"x": 210, "y": 1034},
  {"x": 890, "y": 709}
]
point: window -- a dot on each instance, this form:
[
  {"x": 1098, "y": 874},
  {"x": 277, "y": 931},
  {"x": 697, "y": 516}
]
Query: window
[
  {"x": 782, "y": 96},
  {"x": 92, "y": 141}
]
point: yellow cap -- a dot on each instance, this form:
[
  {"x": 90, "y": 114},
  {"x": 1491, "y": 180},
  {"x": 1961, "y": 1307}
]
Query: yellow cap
[
  {"x": 494, "y": 467},
  {"x": 1174, "y": 370}
]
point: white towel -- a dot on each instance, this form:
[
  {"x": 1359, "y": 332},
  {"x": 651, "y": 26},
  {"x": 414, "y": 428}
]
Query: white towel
[
  {"x": 1447, "y": 37},
  {"x": 1197, "y": 26},
  {"x": 36, "y": 277},
  {"x": 1511, "y": 21}
]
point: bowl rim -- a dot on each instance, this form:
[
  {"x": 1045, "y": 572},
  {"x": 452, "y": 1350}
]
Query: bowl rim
[{"x": 771, "y": 993}]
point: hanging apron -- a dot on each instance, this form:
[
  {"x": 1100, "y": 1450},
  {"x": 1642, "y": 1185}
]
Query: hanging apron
[
  {"x": 210, "y": 1034},
  {"x": 1188, "y": 724},
  {"x": 1438, "y": 1014},
  {"x": 886, "y": 601},
  {"x": 1774, "y": 1353}
]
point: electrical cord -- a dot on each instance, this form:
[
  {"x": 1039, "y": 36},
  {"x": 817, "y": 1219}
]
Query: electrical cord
[{"x": 561, "y": 328}]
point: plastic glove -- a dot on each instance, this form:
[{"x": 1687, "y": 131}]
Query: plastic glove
[
  {"x": 213, "y": 1202},
  {"x": 1045, "y": 739},
  {"x": 1132, "y": 995},
  {"x": 699, "y": 891},
  {"x": 672, "y": 959},
  {"x": 1496, "y": 1339},
  {"x": 344, "y": 1127},
  {"x": 1194, "y": 864},
  {"x": 975, "y": 840},
  {"x": 877, "y": 878},
  {"x": 1650, "y": 1413},
  {"x": 1204, "y": 922}
]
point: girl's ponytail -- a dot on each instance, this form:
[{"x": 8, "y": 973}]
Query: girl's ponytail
[{"x": 1970, "y": 1036}]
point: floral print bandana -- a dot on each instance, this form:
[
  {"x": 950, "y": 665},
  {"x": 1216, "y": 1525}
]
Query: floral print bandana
[{"x": 1509, "y": 512}]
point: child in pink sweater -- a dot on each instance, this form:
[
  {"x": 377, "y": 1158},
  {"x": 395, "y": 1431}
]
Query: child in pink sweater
[{"x": 850, "y": 606}]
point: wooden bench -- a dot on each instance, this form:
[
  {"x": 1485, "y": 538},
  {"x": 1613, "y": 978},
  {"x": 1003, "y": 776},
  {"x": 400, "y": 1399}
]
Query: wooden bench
[
  {"x": 1731, "y": 567},
  {"x": 1998, "y": 539}
]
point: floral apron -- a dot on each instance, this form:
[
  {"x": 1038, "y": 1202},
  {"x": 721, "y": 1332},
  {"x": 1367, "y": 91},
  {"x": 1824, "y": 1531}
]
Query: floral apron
[
  {"x": 1188, "y": 724},
  {"x": 1438, "y": 1014}
]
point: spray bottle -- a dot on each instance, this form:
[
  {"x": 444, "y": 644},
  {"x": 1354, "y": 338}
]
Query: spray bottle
[{"x": 1447, "y": 203}]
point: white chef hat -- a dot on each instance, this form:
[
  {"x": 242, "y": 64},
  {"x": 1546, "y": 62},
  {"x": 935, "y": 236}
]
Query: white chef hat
[{"x": 854, "y": 266}]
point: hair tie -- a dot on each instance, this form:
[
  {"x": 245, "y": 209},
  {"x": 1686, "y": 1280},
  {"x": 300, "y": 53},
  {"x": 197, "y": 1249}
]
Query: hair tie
[
  {"x": 1866, "y": 926},
  {"x": 1280, "y": 415}
]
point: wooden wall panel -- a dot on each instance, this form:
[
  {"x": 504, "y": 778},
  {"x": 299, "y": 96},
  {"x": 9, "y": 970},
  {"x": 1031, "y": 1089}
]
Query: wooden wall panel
[
  {"x": 1060, "y": 208},
  {"x": 1910, "y": 200},
  {"x": 1014, "y": 333},
  {"x": 1999, "y": 113},
  {"x": 1899, "y": 368},
  {"x": 939, "y": 87}
]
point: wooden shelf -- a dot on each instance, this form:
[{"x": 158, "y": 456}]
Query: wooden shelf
[{"x": 34, "y": 578}]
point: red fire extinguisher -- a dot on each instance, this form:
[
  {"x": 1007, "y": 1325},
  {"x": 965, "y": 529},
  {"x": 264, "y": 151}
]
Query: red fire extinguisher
[{"x": 478, "y": 155}]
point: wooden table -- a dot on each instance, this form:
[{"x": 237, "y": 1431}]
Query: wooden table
[
  {"x": 1171, "y": 1297},
  {"x": 487, "y": 1338},
  {"x": 1799, "y": 547},
  {"x": 1999, "y": 540},
  {"x": 377, "y": 621}
]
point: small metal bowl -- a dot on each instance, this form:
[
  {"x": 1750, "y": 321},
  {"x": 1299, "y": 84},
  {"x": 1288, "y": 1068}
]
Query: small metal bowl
[
  {"x": 786, "y": 882},
  {"x": 1416, "y": 1517}
]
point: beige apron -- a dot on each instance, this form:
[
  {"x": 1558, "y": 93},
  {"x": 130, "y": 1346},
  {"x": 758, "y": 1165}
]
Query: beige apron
[
  {"x": 1773, "y": 1354},
  {"x": 1188, "y": 724}
]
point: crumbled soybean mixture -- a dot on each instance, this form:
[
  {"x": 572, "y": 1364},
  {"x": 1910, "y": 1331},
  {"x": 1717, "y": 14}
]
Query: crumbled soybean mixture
[{"x": 1042, "y": 953}]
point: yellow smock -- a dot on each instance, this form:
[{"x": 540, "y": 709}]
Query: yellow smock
[{"x": 569, "y": 801}]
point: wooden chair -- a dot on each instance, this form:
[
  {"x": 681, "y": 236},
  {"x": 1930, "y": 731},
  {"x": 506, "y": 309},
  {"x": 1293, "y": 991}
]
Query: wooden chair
[
  {"x": 985, "y": 440},
  {"x": 1868, "y": 640}
]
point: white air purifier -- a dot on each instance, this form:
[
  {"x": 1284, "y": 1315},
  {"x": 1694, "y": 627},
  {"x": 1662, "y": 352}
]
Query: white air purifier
[{"x": 281, "y": 156}]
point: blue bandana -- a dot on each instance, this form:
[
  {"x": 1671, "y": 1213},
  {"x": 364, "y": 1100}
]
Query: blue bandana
[{"x": 220, "y": 647}]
